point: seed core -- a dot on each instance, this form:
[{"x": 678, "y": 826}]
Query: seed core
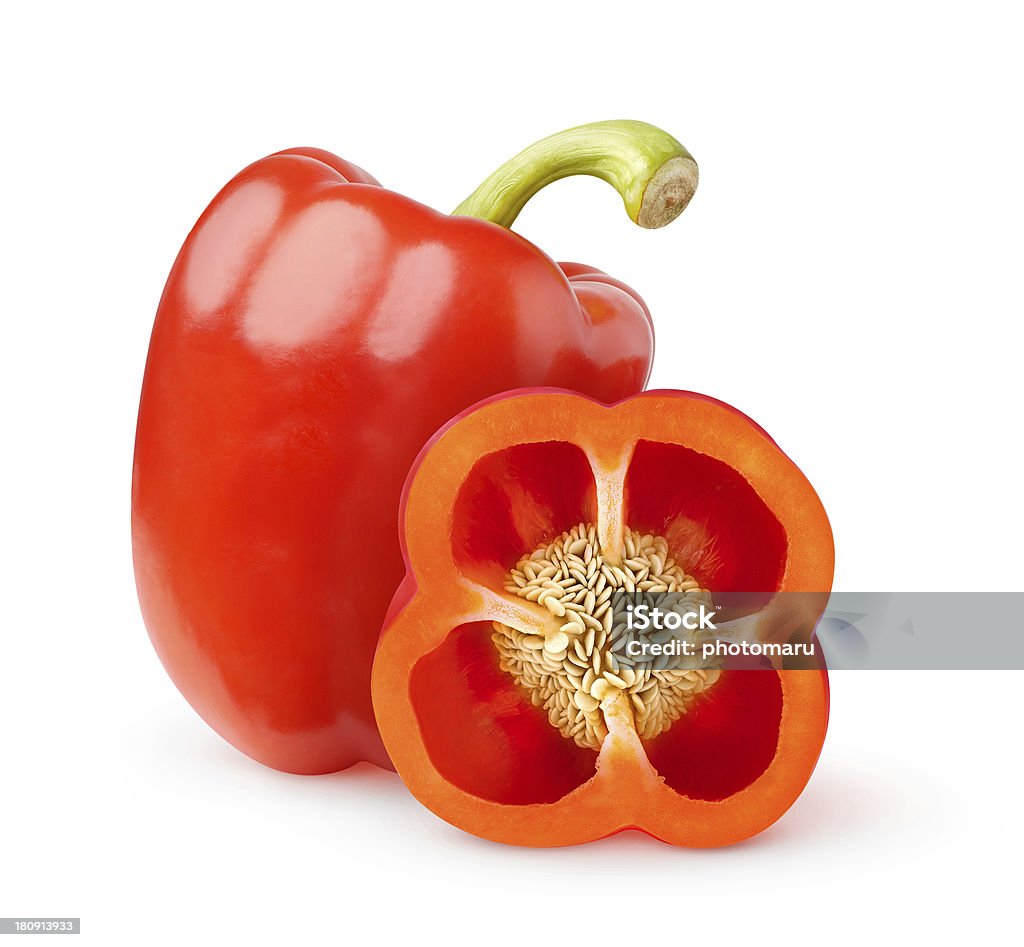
[{"x": 581, "y": 664}]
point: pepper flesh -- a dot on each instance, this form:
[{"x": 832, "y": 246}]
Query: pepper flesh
[
  {"x": 465, "y": 736},
  {"x": 314, "y": 331}
]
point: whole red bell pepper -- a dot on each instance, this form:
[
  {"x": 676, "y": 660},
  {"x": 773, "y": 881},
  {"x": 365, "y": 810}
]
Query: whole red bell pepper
[{"x": 314, "y": 332}]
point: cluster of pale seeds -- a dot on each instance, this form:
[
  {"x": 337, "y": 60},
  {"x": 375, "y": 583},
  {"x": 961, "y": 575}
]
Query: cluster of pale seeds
[{"x": 571, "y": 670}]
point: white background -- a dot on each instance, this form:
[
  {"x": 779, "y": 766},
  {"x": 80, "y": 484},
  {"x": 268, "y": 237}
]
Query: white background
[{"x": 849, "y": 274}]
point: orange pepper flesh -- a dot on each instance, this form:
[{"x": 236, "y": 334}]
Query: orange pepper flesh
[{"x": 517, "y": 471}]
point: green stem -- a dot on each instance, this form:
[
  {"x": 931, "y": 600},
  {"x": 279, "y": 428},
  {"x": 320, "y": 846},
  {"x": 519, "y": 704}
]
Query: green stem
[{"x": 655, "y": 175}]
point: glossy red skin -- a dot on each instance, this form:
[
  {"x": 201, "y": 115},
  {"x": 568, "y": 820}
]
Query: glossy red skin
[{"x": 314, "y": 332}]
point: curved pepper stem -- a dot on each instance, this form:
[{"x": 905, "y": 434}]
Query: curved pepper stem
[{"x": 653, "y": 172}]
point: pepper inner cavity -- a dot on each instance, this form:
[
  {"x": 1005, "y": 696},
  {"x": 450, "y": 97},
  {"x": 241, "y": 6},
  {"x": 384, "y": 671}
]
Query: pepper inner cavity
[{"x": 581, "y": 663}]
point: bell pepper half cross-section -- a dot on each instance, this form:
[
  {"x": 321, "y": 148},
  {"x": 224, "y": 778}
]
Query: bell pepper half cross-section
[{"x": 503, "y": 688}]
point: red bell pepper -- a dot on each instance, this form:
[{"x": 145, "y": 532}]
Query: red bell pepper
[
  {"x": 508, "y": 692},
  {"x": 314, "y": 332}
]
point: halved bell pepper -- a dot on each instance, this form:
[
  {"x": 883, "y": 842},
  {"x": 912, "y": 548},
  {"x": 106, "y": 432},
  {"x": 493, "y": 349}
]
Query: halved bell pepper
[
  {"x": 315, "y": 330},
  {"x": 504, "y": 691}
]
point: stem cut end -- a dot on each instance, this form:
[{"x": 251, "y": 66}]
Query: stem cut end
[{"x": 668, "y": 192}]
